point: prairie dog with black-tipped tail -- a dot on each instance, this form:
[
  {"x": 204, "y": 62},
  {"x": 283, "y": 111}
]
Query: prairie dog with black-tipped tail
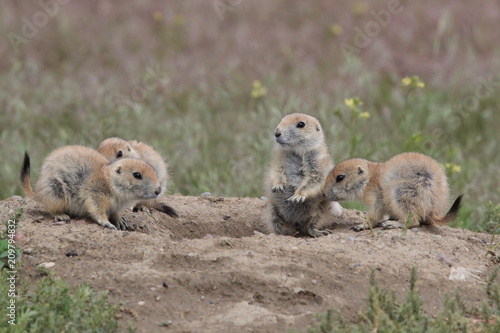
[
  {"x": 409, "y": 184},
  {"x": 77, "y": 181},
  {"x": 295, "y": 179},
  {"x": 116, "y": 148}
]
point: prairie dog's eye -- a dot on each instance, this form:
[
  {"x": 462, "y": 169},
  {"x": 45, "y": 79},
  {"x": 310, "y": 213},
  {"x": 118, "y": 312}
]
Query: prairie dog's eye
[
  {"x": 301, "y": 124},
  {"x": 119, "y": 154},
  {"x": 339, "y": 178},
  {"x": 137, "y": 175}
]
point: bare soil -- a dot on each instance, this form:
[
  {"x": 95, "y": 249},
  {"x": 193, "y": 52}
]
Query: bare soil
[{"x": 215, "y": 268}]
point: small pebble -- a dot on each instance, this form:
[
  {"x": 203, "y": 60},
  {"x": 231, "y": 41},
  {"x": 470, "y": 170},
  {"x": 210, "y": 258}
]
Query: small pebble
[
  {"x": 357, "y": 264},
  {"x": 158, "y": 298},
  {"x": 202, "y": 297},
  {"x": 164, "y": 285},
  {"x": 314, "y": 282},
  {"x": 206, "y": 194},
  {"x": 351, "y": 239},
  {"x": 153, "y": 288},
  {"x": 141, "y": 303},
  {"x": 47, "y": 264},
  {"x": 415, "y": 229},
  {"x": 212, "y": 302},
  {"x": 378, "y": 268},
  {"x": 263, "y": 198},
  {"x": 71, "y": 254},
  {"x": 444, "y": 259},
  {"x": 166, "y": 323},
  {"x": 29, "y": 250}
]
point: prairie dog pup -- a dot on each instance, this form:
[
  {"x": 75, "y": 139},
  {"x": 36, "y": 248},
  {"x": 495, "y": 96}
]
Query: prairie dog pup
[
  {"x": 79, "y": 182},
  {"x": 407, "y": 183},
  {"x": 295, "y": 179},
  {"x": 116, "y": 148}
]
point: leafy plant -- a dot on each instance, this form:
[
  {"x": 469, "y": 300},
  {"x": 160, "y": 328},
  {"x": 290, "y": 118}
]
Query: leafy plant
[
  {"x": 492, "y": 221},
  {"x": 385, "y": 314},
  {"x": 55, "y": 307}
]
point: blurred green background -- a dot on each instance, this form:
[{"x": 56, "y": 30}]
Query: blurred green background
[{"x": 206, "y": 83}]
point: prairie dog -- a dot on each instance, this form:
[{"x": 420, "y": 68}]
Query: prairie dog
[
  {"x": 407, "y": 183},
  {"x": 78, "y": 181},
  {"x": 116, "y": 148},
  {"x": 295, "y": 179}
]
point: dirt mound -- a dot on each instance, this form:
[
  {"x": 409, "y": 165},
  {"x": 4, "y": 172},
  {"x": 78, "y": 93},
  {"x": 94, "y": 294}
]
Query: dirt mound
[{"x": 214, "y": 269}]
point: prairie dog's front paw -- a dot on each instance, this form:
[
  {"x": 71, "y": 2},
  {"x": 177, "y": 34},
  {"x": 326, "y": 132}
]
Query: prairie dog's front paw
[
  {"x": 297, "y": 198},
  {"x": 278, "y": 188},
  {"x": 121, "y": 224},
  {"x": 391, "y": 224},
  {"x": 360, "y": 227},
  {"x": 62, "y": 217},
  {"x": 106, "y": 224},
  {"x": 141, "y": 208},
  {"x": 318, "y": 233}
]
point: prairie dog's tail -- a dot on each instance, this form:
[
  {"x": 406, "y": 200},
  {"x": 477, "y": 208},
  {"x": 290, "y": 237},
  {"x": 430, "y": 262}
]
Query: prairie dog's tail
[
  {"x": 25, "y": 176},
  {"x": 452, "y": 213}
]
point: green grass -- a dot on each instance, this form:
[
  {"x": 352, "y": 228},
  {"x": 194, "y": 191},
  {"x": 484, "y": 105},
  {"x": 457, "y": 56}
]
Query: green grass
[
  {"x": 55, "y": 307},
  {"x": 386, "y": 314}
]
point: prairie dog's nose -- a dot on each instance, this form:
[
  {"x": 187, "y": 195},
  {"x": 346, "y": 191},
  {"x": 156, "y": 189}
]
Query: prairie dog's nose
[
  {"x": 277, "y": 133},
  {"x": 158, "y": 190}
]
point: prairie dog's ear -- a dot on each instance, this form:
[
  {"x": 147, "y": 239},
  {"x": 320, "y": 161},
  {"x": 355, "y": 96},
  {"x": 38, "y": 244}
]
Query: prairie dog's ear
[
  {"x": 128, "y": 147},
  {"x": 318, "y": 128},
  {"x": 360, "y": 170},
  {"x": 119, "y": 170}
]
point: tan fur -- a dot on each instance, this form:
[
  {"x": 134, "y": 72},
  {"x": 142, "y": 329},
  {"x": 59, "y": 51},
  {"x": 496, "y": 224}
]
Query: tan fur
[
  {"x": 407, "y": 183},
  {"x": 115, "y": 148},
  {"x": 296, "y": 176},
  {"x": 79, "y": 182}
]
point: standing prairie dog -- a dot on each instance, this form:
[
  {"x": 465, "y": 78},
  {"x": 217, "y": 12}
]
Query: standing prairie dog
[
  {"x": 407, "y": 183},
  {"x": 295, "y": 179},
  {"x": 116, "y": 148},
  {"x": 78, "y": 181}
]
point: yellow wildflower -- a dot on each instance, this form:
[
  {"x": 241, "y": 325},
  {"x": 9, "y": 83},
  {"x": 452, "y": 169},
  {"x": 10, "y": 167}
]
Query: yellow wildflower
[
  {"x": 157, "y": 15},
  {"x": 258, "y": 90},
  {"x": 364, "y": 115},
  {"x": 452, "y": 168},
  {"x": 412, "y": 82},
  {"x": 336, "y": 29},
  {"x": 350, "y": 103}
]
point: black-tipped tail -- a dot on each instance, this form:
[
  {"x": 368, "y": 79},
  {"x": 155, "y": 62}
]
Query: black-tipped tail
[
  {"x": 168, "y": 210},
  {"x": 25, "y": 175},
  {"x": 452, "y": 213}
]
